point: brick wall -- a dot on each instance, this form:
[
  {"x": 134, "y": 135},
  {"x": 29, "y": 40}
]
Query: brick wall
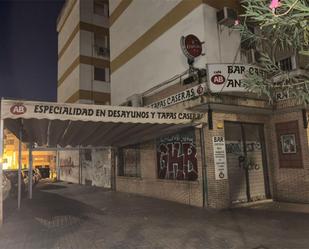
[
  {"x": 291, "y": 184},
  {"x": 219, "y": 190},
  {"x": 187, "y": 192}
]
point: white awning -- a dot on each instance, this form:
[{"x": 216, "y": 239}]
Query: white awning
[{"x": 59, "y": 124}]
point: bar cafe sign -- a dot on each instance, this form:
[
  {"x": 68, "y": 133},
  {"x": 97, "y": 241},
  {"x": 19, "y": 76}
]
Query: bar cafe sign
[{"x": 228, "y": 77}]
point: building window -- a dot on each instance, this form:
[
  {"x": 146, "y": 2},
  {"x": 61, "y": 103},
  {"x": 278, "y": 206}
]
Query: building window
[
  {"x": 129, "y": 162},
  {"x": 101, "y": 45},
  {"x": 100, "y": 8},
  {"x": 99, "y": 74},
  {"x": 286, "y": 64}
]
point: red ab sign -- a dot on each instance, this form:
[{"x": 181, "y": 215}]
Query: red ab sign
[
  {"x": 191, "y": 46},
  {"x": 18, "y": 109},
  {"x": 218, "y": 79}
]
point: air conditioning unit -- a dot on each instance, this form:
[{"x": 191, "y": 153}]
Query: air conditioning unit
[
  {"x": 135, "y": 100},
  {"x": 226, "y": 17}
]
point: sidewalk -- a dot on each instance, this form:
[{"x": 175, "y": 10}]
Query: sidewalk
[
  {"x": 70, "y": 216},
  {"x": 281, "y": 206}
]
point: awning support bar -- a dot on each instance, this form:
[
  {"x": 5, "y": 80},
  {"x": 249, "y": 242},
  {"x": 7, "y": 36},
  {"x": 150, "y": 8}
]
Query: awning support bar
[
  {"x": 19, "y": 165},
  {"x": 30, "y": 172}
]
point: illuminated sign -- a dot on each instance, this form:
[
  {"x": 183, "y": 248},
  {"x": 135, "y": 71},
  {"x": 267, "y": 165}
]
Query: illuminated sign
[{"x": 191, "y": 46}]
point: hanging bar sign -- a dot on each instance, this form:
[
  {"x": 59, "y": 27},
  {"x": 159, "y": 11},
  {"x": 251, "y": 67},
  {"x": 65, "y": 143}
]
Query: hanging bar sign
[{"x": 219, "y": 157}]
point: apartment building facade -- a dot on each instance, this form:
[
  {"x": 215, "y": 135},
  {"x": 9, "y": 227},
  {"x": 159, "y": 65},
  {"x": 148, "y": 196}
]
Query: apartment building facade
[
  {"x": 83, "y": 52},
  {"x": 247, "y": 151},
  {"x": 84, "y": 77}
]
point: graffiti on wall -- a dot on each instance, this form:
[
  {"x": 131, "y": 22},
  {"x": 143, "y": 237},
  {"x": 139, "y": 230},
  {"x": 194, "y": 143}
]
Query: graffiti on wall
[
  {"x": 66, "y": 165},
  {"x": 96, "y": 167},
  {"x": 176, "y": 157},
  {"x": 236, "y": 147},
  {"x": 253, "y": 149}
]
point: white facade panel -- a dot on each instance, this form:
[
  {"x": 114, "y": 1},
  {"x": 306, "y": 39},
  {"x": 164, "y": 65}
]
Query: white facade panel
[
  {"x": 159, "y": 61},
  {"x": 113, "y": 5},
  {"x": 140, "y": 16},
  {"x": 86, "y": 43},
  {"x": 69, "y": 86},
  {"x": 70, "y": 24},
  {"x": 221, "y": 42},
  {"x": 163, "y": 58},
  {"x": 70, "y": 54}
]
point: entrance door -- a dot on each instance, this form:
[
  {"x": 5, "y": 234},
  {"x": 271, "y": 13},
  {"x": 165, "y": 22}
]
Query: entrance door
[{"x": 247, "y": 169}]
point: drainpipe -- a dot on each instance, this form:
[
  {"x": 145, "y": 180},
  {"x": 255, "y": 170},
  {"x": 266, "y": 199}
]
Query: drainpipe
[
  {"x": 114, "y": 163},
  {"x": 204, "y": 166}
]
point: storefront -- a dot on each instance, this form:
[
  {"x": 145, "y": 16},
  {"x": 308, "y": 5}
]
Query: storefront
[
  {"x": 67, "y": 127},
  {"x": 249, "y": 150}
]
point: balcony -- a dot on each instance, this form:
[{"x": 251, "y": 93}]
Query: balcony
[{"x": 101, "y": 51}]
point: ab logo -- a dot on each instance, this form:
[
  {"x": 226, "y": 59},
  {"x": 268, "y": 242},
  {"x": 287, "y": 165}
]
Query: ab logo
[
  {"x": 18, "y": 109},
  {"x": 218, "y": 79}
]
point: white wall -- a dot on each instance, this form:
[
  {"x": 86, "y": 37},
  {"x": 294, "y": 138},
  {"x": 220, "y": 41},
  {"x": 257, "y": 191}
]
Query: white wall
[
  {"x": 113, "y": 5},
  {"x": 70, "y": 54},
  {"x": 69, "y": 86},
  {"x": 98, "y": 170},
  {"x": 221, "y": 44},
  {"x": 95, "y": 170},
  {"x": 163, "y": 58},
  {"x": 69, "y": 26},
  {"x": 135, "y": 21}
]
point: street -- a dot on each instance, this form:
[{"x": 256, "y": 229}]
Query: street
[{"x": 70, "y": 216}]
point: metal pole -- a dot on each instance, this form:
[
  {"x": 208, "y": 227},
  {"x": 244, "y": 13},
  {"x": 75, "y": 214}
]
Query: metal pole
[
  {"x": 204, "y": 166},
  {"x": 30, "y": 171},
  {"x": 57, "y": 166},
  {"x": 1, "y": 172},
  {"x": 19, "y": 166}
]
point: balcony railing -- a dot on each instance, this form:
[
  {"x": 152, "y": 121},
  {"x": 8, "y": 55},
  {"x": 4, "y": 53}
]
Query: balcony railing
[{"x": 101, "y": 51}]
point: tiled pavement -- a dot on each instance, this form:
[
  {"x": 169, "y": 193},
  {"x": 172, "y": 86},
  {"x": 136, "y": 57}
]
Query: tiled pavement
[{"x": 69, "y": 216}]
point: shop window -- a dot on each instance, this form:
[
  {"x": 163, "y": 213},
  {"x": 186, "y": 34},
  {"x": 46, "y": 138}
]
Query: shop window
[
  {"x": 9, "y": 142},
  {"x": 99, "y": 74},
  {"x": 176, "y": 157},
  {"x": 129, "y": 162}
]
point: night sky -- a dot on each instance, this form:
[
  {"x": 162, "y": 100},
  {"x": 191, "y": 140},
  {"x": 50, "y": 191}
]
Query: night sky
[{"x": 28, "y": 49}]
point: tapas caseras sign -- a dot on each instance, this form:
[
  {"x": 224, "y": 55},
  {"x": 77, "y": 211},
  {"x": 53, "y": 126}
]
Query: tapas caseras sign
[{"x": 191, "y": 46}]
